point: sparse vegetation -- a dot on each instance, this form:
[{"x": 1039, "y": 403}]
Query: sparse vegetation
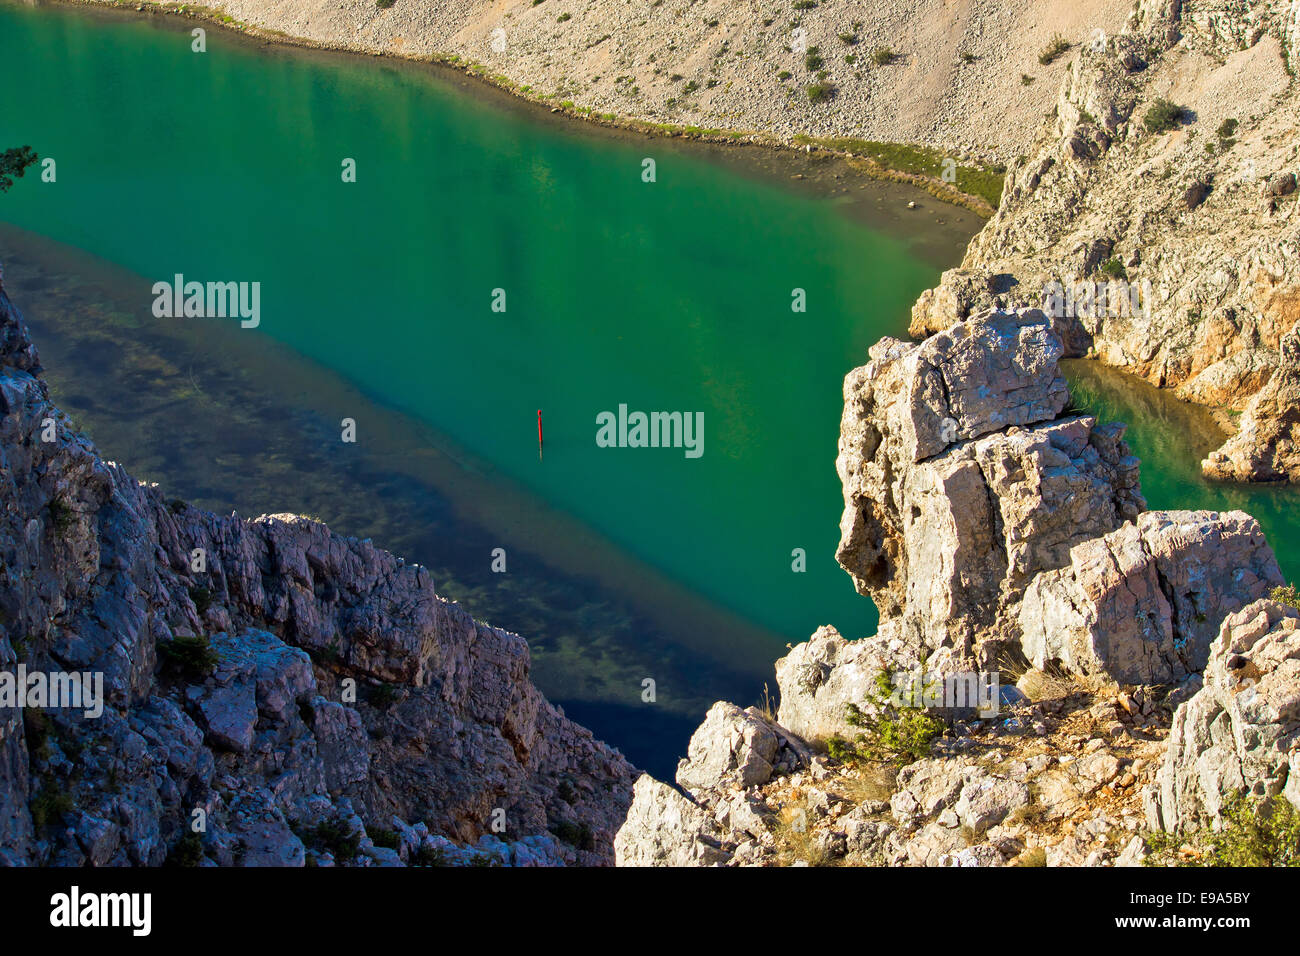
[
  {"x": 1114, "y": 268},
  {"x": 13, "y": 164},
  {"x": 1227, "y": 133},
  {"x": 812, "y": 60},
  {"x": 820, "y": 92},
  {"x": 336, "y": 839},
  {"x": 187, "y": 851},
  {"x": 883, "y": 56},
  {"x": 49, "y": 806},
  {"x": 384, "y": 4},
  {"x": 984, "y": 182},
  {"x": 1057, "y": 47},
  {"x": 61, "y": 515},
  {"x": 901, "y": 734},
  {"x": 202, "y": 598},
  {"x": 1288, "y": 595},
  {"x": 1163, "y": 116},
  {"x": 192, "y": 657},
  {"x": 577, "y": 835},
  {"x": 1255, "y": 833}
]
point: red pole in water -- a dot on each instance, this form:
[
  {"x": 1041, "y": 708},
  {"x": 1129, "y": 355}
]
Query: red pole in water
[{"x": 539, "y": 434}]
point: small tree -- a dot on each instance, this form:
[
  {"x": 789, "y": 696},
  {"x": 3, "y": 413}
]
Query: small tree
[{"x": 13, "y": 163}]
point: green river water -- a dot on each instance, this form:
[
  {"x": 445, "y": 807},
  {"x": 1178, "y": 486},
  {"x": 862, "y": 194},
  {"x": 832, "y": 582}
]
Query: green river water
[{"x": 622, "y": 563}]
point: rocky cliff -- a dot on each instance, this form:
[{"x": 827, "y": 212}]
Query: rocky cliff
[
  {"x": 1005, "y": 540},
  {"x": 1155, "y": 217},
  {"x": 273, "y": 693}
]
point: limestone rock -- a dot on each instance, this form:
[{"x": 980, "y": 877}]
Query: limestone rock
[
  {"x": 1239, "y": 733},
  {"x": 663, "y": 828},
  {"x": 957, "y": 492},
  {"x": 1142, "y": 604},
  {"x": 732, "y": 748},
  {"x": 96, "y": 574},
  {"x": 1202, "y": 238}
]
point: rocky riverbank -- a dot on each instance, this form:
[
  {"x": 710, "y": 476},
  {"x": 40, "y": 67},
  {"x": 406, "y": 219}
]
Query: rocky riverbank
[
  {"x": 272, "y": 693},
  {"x": 1156, "y": 216},
  {"x": 916, "y": 72},
  {"x": 1006, "y": 542}
]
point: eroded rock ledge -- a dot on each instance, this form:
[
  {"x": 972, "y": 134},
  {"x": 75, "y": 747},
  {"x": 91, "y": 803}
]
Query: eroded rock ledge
[
  {"x": 998, "y": 531},
  {"x": 1194, "y": 222},
  {"x": 99, "y": 575}
]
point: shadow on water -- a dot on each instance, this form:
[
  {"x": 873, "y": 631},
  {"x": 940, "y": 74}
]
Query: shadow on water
[{"x": 230, "y": 427}]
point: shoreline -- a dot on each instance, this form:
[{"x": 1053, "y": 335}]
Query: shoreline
[{"x": 860, "y": 161}]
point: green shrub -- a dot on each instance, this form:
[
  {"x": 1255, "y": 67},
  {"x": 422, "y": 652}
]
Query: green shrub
[
  {"x": 187, "y": 851},
  {"x": 1226, "y": 133},
  {"x": 813, "y": 58},
  {"x": 13, "y": 163},
  {"x": 1114, "y": 268},
  {"x": 1252, "y": 835},
  {"x": 902, "y": 734},
  {"x": 1162, "y": 116},
  {"x": 1026, "y": 79},
  {"x": 384, "y": 4},
  {"x": 428, "y": 856},
  {"x": 575, "y": 834},
  {"x": 1288, "y": 595},
  {"x": 49, "y": 806},
  {"x": 385, "y": 838},
  {"x": 883, "y": 56},
  {"x": 820, "y": 92},
  {"x": 192, "y": 657},
  {"x": 202, "y": 598},
  {"x": 1055, "y": 48},
  {"x": 61, "y": 515},
  {"x": 563, "y": 17},
  {"x": 335, "y": 838}
]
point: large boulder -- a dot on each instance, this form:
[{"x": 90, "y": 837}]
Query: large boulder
[
  {"x": 819, "y": 678},
  {"x": 1241, "y": 732},
  {"x": 1142, "y": 604},
  {"x": 960, "y": 482},
  {"x": 663, "y": 828},
  {"x": 733, "y": 748}
]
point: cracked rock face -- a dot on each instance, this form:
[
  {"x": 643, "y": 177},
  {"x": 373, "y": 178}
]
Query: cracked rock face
[
  {"x": 1142, "y": 604},
  {"x": 1241, "y": 732},
  {"x": 443, "y": 729},
  {"x": 1202, "y": 219},
  {"x": 960, "y": 483},
  {"x": 663, "y": 828},
  {"x": 733, "y": 747}
]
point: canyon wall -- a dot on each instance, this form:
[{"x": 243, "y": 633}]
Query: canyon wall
[{"x": 306, "y": 692}]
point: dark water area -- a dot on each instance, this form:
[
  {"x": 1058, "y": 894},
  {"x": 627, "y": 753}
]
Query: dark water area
[{"x": 624, "y": 564}]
